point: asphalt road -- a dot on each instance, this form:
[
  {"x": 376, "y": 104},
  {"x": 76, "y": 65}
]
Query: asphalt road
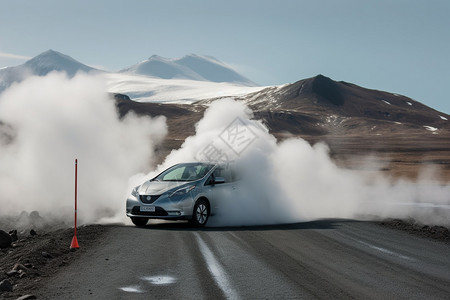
[{"x": 329, "y": 259}]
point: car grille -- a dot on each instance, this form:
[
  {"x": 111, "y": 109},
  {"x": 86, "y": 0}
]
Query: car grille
[
  {"x": 148, "y": 199},
  {"x": 158, "y": 212}
]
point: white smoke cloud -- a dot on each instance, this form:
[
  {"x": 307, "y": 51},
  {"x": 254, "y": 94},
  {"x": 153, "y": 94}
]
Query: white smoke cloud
[
  {"x": 47, "y": 122},
  {"x": 54, "y": 120},
  {"x": 293, "y": 181}
]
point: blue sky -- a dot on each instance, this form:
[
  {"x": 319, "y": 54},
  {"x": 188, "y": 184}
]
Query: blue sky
[{"x": 400, "y": 46}]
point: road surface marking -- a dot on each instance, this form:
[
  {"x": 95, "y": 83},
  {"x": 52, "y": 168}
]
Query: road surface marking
[
  {"x": 160, "y": 280},
  {"x": 216, "y": 270},
  {"x": 132, "y": 289},
  {"x": 386, "y": 251}
]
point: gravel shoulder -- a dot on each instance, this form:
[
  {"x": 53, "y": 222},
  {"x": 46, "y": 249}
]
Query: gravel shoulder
[
  {"x": 32, "y": 260},
  {"x": 413, "y": 227}
]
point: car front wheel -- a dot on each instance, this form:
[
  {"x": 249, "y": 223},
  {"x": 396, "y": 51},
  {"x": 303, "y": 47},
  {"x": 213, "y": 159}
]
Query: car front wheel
[
  {"x": 201, "y": 213},
  {"x": 139, "y": 221}
]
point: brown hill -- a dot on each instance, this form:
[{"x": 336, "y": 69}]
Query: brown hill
[
  {"x": 354, "y": 121},
  {"x": 325, "y": 106}
]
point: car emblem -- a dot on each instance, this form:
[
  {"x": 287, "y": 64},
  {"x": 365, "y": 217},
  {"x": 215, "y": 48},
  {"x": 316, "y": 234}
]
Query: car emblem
[{"x": 149, "y": 197}]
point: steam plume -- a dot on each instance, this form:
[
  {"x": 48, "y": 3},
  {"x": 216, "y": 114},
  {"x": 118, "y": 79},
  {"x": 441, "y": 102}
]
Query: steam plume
[
  {"x": 49, "y": 121},
  {"x": 293, "y": 181}
]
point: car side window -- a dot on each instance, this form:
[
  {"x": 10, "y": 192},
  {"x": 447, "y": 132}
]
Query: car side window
[
  {"x": 210, "y": 180},
  {"x": 219, "y": 172},
  {"x": 226, "y": 172}
]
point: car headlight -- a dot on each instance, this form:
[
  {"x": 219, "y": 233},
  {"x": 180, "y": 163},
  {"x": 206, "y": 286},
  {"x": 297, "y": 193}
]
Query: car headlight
[
  {"x": 135, "y": 192},
  {"x": 182, "y": 191}
]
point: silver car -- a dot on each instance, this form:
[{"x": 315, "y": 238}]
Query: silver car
[{"x": 187, "y": 191}]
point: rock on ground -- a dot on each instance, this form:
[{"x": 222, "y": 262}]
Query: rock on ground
[
  {"x": 6, "y": 286},
  {"x": 5, "y": 239}
]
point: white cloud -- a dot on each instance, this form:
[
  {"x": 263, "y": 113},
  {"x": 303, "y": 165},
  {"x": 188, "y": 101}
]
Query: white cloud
[{"x": 13, "y": 56}]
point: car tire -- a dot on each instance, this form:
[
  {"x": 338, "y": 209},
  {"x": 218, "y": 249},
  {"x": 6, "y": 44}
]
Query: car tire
[
  {"x": 201, "y": 213},
  {"x": 139, "y": 221}
]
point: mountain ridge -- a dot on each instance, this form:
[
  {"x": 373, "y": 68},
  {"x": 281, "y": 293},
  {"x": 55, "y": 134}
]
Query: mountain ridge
[
  {"x": 320, "y": 106},
  {"x": 41, "y": 65},
  {"x": 192, "y": 66},
  {"x": 52, "y": 60},
  {"x": 337, "y": 107},
  {"x": 361, "y": 128}
]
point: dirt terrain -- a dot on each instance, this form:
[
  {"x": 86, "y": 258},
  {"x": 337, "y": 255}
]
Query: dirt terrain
[{"x": 39, "y": 253}]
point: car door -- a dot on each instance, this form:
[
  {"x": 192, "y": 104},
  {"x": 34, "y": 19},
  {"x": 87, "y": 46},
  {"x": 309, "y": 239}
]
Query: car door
[{"x": 222, "y": 192}]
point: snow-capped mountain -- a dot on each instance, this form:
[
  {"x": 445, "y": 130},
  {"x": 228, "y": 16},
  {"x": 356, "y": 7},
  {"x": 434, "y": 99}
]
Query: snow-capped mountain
[
  {"x": 312, "y": 107},
  {"x": 51, "y": 60},
  {"x": 156, "y": 79},
  {"x": 192, "y": 67},
  {"x": 363, "y": 128},
  {"x": 41, "y": 65}
]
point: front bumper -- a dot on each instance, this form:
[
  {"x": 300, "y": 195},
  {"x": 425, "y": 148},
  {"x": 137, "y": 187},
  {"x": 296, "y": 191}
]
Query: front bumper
[
  {"x": 165, "y": 208},
  {"x": 159, "y": 213}
]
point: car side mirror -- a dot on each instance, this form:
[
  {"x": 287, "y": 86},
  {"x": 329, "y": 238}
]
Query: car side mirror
[{"x": 219, "y": 180}]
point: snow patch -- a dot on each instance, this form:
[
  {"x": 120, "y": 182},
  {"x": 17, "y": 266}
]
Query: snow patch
[
  {"x": 429, "y": 128},
  {"x": 332, "y": 119},
  {"x": 409, "y": 103},
  {"x": 443, "y": 118},
  {"x": 386, "y": 102},
  {"x": 182, "y": 91}
]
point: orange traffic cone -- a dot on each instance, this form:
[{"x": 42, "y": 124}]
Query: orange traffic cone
[{"x": 74, "y": 244}]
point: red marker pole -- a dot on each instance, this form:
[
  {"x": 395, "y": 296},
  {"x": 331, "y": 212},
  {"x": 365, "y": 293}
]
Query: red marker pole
[{"x": 74, "y": 244}]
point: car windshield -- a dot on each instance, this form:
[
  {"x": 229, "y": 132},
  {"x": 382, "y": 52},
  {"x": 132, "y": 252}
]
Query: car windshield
[{"x": 184, "y": 172}]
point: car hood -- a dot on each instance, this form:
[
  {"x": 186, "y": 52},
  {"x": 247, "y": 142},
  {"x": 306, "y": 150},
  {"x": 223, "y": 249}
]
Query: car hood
[{"x": 158, "y": 187}]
